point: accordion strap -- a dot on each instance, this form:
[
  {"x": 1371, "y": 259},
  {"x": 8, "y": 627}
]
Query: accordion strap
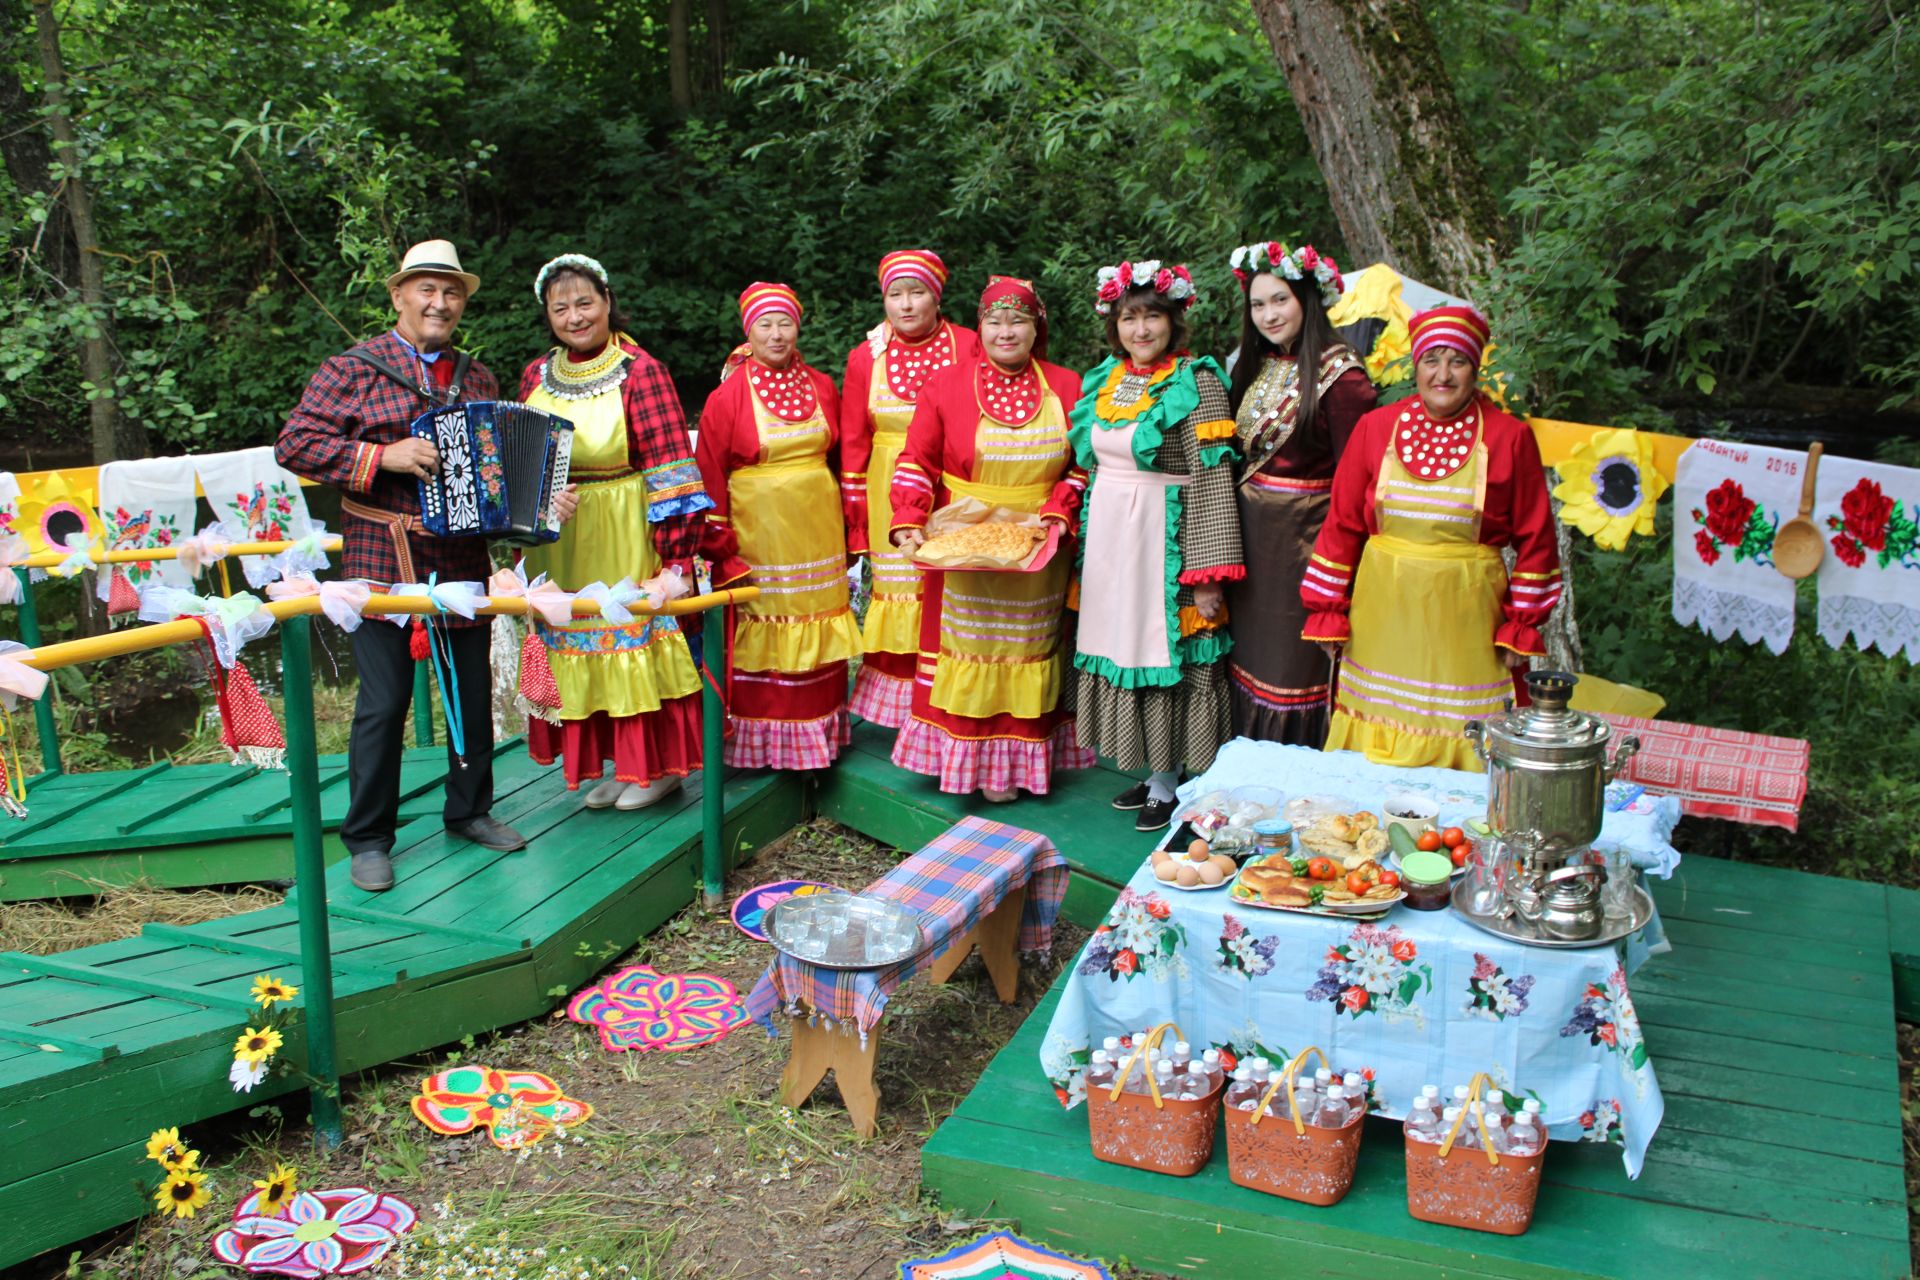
[{"x": 422, "y": 386}]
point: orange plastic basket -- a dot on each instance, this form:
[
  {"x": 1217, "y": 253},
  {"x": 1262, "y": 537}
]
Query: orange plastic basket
[
  {"x": 1291, "y": 1158},
  {"x": 1146, "y": 1130},
  {"x": 1479, "y": 1190}
]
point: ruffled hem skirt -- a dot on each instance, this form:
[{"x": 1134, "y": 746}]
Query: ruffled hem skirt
[
  {"x": 788, "y": 744},
  {"x": 643, "y": 748},
  {"x": 965, "y": 765},
  {"x": 1162, "y": 728}
]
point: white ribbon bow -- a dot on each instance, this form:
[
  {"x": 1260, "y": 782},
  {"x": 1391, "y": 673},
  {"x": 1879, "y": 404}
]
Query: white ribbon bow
[
  {"x": 612, "y": 600},
  {"x": 305, "y": 555},
  {"x": 463, "y": 598},
  {"x": 344, "y": 603},
  {"x": 77, "y": 557},
  {"x": 232, "y": 620},
  {"x": 668, "y": 584},
  {"x": 17, "y": 679},
  {"x": 209, "y": 546}
]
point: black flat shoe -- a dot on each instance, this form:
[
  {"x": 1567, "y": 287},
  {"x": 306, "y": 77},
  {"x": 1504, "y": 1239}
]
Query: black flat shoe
[
  {"x": 1134, "y": 797},
  {"x": 489, "y": 834},
  {"x": 1156, "y": 815}
]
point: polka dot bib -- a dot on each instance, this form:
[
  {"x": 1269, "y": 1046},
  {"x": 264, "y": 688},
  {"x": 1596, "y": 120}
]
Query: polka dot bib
[
  {"x": 787, "y": 393},
  {"x": 1009, "y": 399},
  {"x": 1432, "y": 450},
  {"x": 909, "y": 365}
]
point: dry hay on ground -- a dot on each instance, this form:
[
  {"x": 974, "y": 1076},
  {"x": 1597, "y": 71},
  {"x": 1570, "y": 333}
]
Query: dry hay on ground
[{"x": 42, "y": 928}]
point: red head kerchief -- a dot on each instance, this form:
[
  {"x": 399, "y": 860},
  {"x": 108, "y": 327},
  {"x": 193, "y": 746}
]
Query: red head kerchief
[
  {"x": 923, "y": 265},
  {"x": 1459, "y": 327},
  {"x": 1020, "y": 297},
  {"x": 760, "y": 298}
]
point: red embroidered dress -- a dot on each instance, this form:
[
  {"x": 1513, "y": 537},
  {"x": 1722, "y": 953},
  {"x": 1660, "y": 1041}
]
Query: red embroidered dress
[
  {"x": 628, "y": 692},
  {"x": 767, "y": 446},
  {"x": 1407, "y": 571},
  {"x": 874, "y": 416},
  {"x": 987, "y": 695}
]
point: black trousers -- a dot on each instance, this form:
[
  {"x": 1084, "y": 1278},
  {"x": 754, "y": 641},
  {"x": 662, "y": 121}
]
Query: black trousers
[{"x": 380, "y": 720}]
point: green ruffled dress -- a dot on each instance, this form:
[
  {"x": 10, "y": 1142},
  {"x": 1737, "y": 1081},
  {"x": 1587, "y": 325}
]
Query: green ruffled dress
[{"x": 1160, "y": 519}]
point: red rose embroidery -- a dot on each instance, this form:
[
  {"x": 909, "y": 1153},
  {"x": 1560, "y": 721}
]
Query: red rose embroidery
[
  {"x": 1061, "y": 1094},
  {"x": 1850, "y": 552},
  {"x": 1703, "y": 543},
  {"x": 1866, "y": 511},
  {"x": 1728, "y": 510},
  {"x": 1586, "y": 1119},
  {"x": 1158, "y": 908},
  {"x": 1404, "y": 951},
  {"x": 1125, "y": 962},
  {"x": 1608, "y": 1034},
  {"x": 1355, "y": 998},
  {"x": 1228, "y": 1060}
]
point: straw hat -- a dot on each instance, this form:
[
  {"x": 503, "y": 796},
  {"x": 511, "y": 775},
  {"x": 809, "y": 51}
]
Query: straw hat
[{"x": 434, "y": 257}]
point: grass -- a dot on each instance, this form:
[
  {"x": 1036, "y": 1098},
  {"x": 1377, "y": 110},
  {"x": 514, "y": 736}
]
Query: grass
[{"x": 62, "y": 924}]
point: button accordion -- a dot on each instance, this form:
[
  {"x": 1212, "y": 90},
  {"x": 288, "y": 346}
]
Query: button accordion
[{"x": 501, "y": 463}]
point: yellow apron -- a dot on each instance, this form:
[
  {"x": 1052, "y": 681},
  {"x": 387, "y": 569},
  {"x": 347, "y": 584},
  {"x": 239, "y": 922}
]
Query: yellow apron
[
  {"x": 598, "y": 666},
  {"x": 1426, "y": 601},
  {"x": 1000, "y": 651},
  {"x": 893, "y": 618},
  {"x": 786, "y": 512}
]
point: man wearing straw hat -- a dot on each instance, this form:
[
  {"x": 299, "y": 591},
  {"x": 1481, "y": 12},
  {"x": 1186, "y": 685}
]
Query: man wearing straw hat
[{"x": 350, "y": 431}]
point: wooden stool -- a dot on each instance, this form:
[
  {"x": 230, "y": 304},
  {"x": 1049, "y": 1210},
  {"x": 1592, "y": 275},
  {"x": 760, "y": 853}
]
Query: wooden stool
[{"x": 815, "y": 1050}]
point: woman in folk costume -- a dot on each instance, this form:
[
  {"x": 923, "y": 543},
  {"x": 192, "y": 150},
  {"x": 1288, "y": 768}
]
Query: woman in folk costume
[
  {"x": 1407, "y": 581},
  {"x": 1292, "y": 431},
  {"x": 767, "y": 447},
  {"x": 987, "y": 694},
  {"x": 628, "y": 693},
  {"x": 1161, "y": 540},
  {"x": 884, "y": 377}
]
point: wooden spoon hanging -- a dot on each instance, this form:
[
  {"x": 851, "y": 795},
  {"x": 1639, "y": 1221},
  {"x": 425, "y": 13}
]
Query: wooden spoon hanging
[{"x": 1798, "y": 547}]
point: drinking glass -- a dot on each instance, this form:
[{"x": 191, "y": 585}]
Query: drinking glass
[{"x": 1616, "y": 896}]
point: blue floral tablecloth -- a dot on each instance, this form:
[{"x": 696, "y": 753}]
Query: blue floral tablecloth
[{"x": 1414, "y": 998}]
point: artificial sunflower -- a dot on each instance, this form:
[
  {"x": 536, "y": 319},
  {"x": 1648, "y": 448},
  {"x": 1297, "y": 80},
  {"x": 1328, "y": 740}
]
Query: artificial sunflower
[
  {"x": 257, "y": 1044},
  {"x": 183, "y": 1194},
  {"x": 165, "y": 1148},
  {"x": 1609, "y": 487},
  {"x": 276, "y": 1189},
  {"x": 51, "y": 510},
  {"x": 269, "y": 991}
]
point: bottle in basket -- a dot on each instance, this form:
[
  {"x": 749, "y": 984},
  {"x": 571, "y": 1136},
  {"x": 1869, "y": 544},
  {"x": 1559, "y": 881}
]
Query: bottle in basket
[
  {"x": 1523, "y": 1139},
  {"x": 1422, "y": 1124},
  {"x": 1211, "y": 1060},
  {"x": 1099, "y": 1071},
  {"x": 1241, "y": 1095}
]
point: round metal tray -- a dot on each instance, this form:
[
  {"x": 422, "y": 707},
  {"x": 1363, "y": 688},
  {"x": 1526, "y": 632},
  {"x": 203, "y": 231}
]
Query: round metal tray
[
  {"x": 848, "y": 950},
  {"x": 1612, "y": 928}
]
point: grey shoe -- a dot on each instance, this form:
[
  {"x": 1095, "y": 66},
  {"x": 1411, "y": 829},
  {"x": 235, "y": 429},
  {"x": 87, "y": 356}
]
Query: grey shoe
[
  {"x": 489, "y": 834},
  {"x": 371, "y": 870}
]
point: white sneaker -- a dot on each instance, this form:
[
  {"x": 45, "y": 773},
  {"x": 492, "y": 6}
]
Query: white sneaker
[
  {"x": 639, "y": 797},
  {"x": 606, "y": 794}
]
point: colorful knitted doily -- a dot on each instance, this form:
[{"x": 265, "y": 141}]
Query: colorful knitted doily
[
  {"x": 516, "y": 1108},
  {"x": 642, "y": 1008}
]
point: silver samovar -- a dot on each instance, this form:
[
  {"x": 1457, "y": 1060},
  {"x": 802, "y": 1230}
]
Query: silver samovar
[{"x": 1547, "y": 776}]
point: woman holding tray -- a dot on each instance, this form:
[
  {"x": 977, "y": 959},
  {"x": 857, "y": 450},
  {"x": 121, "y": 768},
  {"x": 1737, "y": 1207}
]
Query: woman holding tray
[
  {"x": 628, "y": 692},
  {"x": 987, "y": 697},
  {"x": 1297, "y": 393},
  {"x": 1406, "y": 582},
  {"x": 1155, "y": 433},
  {"x": 884, "y": 376},
  {"x": 766, "y": 451}
]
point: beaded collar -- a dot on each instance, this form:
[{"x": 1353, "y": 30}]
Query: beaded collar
[
  {"x": 787, "y": 393},
  {"x": 1010, "y": 399},
  {"x": 1129, "y": 390},
  {"x": 563, "y": 379},
  {"x": 1432, "y": 450},
  {"x": 910, "y": 364}
]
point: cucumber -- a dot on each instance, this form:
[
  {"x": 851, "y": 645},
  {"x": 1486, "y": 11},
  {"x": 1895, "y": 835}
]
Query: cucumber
[
  {"x": 1403, "y": 841},
  {"x": 1479, "y": 827}
]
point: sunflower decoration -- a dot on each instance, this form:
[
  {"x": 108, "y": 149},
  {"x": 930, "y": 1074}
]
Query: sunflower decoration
[
  {"x": 52, "y": 510},
  {"x": 183, "y": 1194},
  {"x": 269, "y": 991},
  {"x": 1609, "y": 487},
  {"x": 276, "y": 1190},
  {"x": 257, "y": 1044},
  {"x": 168, "y": 1150}
]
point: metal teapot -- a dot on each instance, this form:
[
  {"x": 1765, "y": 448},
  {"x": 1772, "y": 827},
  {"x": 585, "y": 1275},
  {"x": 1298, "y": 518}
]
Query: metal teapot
[
  {"x": 1566, "y": 904},
  {"x": 1548, "y": 769}
]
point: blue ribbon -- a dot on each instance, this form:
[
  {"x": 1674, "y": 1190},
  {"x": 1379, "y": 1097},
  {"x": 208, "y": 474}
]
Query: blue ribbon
[{"x": 444, "y": 673}]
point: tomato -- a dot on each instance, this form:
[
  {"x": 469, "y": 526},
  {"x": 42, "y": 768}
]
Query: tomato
[
  {"x": 1453, "y": 837},
  {"x": 1460, "y": 854},
  {"x": 1391, "y": 879},
  {"x": 1321, "y": 868},
  {"x": 1357, "y": 884},
  {"x": 1428, "y": 842}
]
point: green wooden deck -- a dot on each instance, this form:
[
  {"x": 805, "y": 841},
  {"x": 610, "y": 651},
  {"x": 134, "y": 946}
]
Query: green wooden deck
[
  {"x": 198, "y": 824},
  {"x": 100, "y": 1046}
]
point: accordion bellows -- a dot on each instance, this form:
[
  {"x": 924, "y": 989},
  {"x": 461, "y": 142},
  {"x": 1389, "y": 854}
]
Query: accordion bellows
[{"x": 501, "y": 463}]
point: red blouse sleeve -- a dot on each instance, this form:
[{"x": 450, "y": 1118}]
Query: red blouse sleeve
[
  {"x": 922, "y": 466},
  {"x": 1351, "y": 397},
  {"x": 1063, "y": 504},
  {"x": 1534, "y": 586},
  {"x": 715, "y": 455},
  {"x": 856, "y": 445},
  {"x": 1327, "y": 588}
]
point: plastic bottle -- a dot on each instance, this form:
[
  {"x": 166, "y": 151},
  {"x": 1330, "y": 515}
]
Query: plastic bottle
[
  {"x": 1497, "y": 1138},
  {"x": 1356, "y": 1087},
  {"x": 1163, "y": 1078},
  {"x": 1112, "y": 1045},
  {"x": 1460, "y": 1094},
  {"x": 1182, "y": 1057},
  {"x": 1523, "y": 1139},
  {"x": 1496, "y": 1112},
  {"x": 1333, "y": 1112},
  {"x": 1306, "y": 1097},
  {"x": 1215, "y": 1072},
  {"x": 1099, "y": 1071},
  {"x": 1240, "y": 1093},
  {"x": 1431, "y": 1092},
  {"x": 1532, "y": 1107},
  {"x": 1197, "y": 1084},
  {"x": 1422, "y": 1124},
  {"x": 1322, "y": 1078}
]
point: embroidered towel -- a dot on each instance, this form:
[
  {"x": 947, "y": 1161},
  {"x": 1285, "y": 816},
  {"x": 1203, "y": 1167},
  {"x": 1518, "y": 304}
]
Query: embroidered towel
[
  {"x": 1870, "y": 577},
  {"x": 147, "y": 503},
  {"x": 1728, "y": 501},
  {"x": 258, "y": 501}
]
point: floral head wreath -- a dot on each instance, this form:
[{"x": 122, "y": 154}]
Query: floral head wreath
[
  {"x": 1175, "y": 281},
  {"x": 1289, "y": 264},
  {"x": 569, "y": 261}
]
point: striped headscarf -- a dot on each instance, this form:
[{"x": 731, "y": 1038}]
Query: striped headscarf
[
  {"x": 923, "y": 265},
  {"x": 1459, "y": 327},
  {"x": 763, "y": 298}
]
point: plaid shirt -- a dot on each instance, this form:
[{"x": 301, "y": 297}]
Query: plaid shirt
[
  {"x": 335, "y": 436},
  {"x": 658, "y": 447}
]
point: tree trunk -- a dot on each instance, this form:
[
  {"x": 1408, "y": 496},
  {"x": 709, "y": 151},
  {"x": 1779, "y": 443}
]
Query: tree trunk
[
  {"x": 113, "y": 435},
  {"x": 1380, "y": 114},
  {"x": 679, "y": 65},
  {"x": 716, "y": 46},
  {"x": 504, "y": 664}
]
